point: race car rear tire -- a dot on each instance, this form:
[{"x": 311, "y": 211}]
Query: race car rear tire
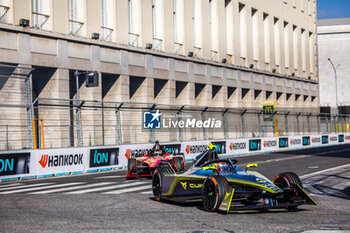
[
  {"x": 157, "y": 185},
  {"x": 213, "y": 192}
]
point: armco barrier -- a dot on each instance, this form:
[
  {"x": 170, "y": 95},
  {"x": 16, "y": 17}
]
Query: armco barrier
[{"x": 29, "y": 164}]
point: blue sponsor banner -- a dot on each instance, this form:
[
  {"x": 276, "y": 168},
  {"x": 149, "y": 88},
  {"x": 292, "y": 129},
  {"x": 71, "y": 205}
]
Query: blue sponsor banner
[
  {"x": 104, "y": 157},
  {"x": 14, "y": 163},
  {"x": 255, "y": 145}
]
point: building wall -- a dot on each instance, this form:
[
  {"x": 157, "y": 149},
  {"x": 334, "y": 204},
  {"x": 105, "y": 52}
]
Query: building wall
[
  {"x": 253, "y": 62},
  {"x": 334, "y": 43}
]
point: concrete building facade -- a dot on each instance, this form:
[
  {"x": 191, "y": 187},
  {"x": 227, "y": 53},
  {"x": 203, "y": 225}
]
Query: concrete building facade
[
  {"x": 225, "y": 53},
  {"x": 334, "y": 43}
]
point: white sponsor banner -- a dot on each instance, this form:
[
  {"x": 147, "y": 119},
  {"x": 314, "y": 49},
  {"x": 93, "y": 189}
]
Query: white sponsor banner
[
  {"x": 347, "y": 138},
  {"x": 193, "y": 149},
  {"x": 128, "y": 151},
  {"x": 333, "y": 139},
  {"x": 316, "y": 140},
  {"x": 269, "y": 144},
  {"x": 61, "y": 160},
  {"x": 237, "y": 146},
  {"x": 295, "y": 142}
]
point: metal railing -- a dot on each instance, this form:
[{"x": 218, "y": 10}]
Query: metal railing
[
  {"x": 106, "y": 33},
  {"x": 157, "y": 44},
  {"x": 113, "y": 123},
  {"x": 75, "y": 27},
  {"x": 179, "y": 48},
  {"x": 214, "y": 55},
  {"x": 134, "y": 39},
  {"x": 197, "y": 52},
  {"x": 3, "y": 11},
  {"x": 39, "y": 19}
]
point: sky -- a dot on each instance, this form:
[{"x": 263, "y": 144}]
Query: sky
[{"x": 327, "y": 9}]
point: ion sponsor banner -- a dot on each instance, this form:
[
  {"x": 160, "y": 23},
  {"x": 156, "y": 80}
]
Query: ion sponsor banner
[
  {"x": 283, "y": 142},
  {"x": 341, "y": 138},
  {"x": 61, "y": 160},
  {"x": 325, "y": 139},
  {"x": 316, "y": 140},
  {"x": 237, "y": 146},
  {"x": 220, "y": 147},
  {"x": 173, "y": 148},
  {"x": 255, "y": 145},
  {"x": 104, "y": 157},
  {"x": 14, "y": 163},
  {"x": 306, "y": 141}
]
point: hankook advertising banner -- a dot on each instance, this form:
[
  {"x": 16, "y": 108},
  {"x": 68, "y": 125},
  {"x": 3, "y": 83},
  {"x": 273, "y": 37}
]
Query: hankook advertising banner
[{"x": 61, "y": 160}]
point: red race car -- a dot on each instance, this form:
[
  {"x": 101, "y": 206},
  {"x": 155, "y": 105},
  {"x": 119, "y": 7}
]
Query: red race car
[{"x": 145, "y": 165}]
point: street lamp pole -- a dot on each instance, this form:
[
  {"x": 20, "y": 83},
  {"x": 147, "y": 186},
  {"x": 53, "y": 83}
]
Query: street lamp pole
[{"x": 336, "y": 83}]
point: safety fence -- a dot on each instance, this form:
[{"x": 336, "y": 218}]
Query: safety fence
[
  {"x": 31, "y": 164},
  {"x": 62, "y": 123}
]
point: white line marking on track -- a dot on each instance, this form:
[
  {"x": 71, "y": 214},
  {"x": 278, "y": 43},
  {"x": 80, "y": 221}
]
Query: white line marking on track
[
  {"x": 279, "y": 159},
  {"x": 104, "y": 188},
  {"x": 147, "y": 192},
  {"x": 10, "y": 185},
  {"x": 313, "y": 167},
  {"x": 323, "y": 171},
  {"x": 108, "y": 177},
  {"x": 24, "y": 186},
  {"x": 128, "y": 190},
  {"x": 38, "y": 188},
  {"x": 72, "y": 188}
]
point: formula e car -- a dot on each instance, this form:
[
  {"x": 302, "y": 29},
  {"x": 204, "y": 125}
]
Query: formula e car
[
  {"x": 145, "y": 165},
  {"x": 222, "y": 186}
]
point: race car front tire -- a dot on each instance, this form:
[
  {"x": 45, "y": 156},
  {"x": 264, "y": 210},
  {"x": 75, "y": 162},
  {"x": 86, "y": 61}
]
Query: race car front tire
[
  {"x": 288, "y": 182},
  {"x": 213, "y": 192},
  {"x": 157, "y": 185}
]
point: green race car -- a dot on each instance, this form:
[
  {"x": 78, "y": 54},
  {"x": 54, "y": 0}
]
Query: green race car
[{"x": 222, "y": 186}]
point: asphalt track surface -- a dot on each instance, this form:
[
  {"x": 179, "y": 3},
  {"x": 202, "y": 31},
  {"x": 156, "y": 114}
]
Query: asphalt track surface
[{"x": 107, "y": 202}]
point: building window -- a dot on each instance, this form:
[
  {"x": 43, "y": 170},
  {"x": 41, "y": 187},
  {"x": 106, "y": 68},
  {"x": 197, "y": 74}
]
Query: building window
[
  {"x": 286, "y": 44},
  {"x": 255, "y": 34},
  {"x": 295, "y": 47},
  {"x": 41, "y": 14},
  {"x": 158, "y": 24},
  {"x": 197, "y": 27},
  {"x": 107, "y": 19},
  {"x": 229, "y": 27},
  {"x": 311, "y": 48},
  {"x": 214, "y": 28},
  {"x": 134, "y": 22},
  {"x": 303, "y": 49},
  {"x": 179, "y": 26},
  {"x": 302, "y": 5},
  {"x": 76, "y": 17},
  {"x": 243, "y": 29},
  {"x": 277, "y": 41},
  {"x": 6, "y": 11},
  {"x": 267, "y": 43}
]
